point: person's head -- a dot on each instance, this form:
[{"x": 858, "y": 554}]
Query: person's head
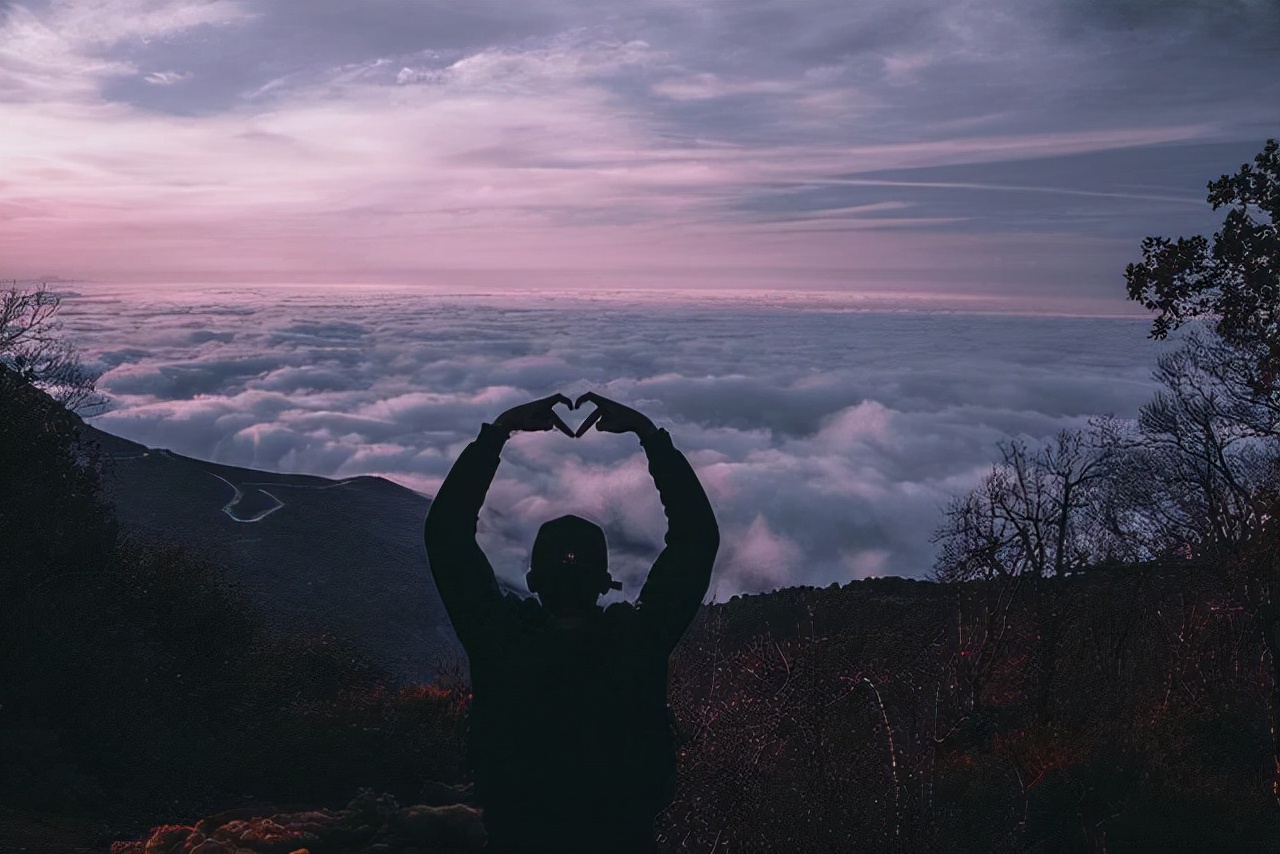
[{"x": 569, "y": 569}]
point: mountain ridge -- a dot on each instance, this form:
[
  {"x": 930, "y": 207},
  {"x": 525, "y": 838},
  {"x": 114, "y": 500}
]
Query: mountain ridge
[{"x": 335, "y": 556}]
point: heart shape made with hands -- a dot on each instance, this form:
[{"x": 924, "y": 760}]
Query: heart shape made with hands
[{"x": 582, "y": 426}]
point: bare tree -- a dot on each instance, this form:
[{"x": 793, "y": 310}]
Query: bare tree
[
  {"x": 1208, "y": 447},
  {"x": 1032, "y": 514},
  {"x": 31, "y": 344}
]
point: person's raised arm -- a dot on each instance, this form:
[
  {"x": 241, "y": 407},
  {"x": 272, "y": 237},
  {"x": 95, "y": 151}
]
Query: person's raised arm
[
  {"x": 462, "y": 573},
  {"x": 682, "y": 573}
]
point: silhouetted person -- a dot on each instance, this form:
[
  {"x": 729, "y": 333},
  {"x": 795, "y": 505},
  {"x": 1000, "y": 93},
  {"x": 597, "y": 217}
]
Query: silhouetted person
[{"x": 572, "y": 741}]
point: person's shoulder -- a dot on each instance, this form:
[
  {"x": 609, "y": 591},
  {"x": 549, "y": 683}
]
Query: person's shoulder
[
  {"x": 522, "y": 606},
  {"x": 622, "y": 616},
  {"x": 510, "y": 609},
  {"x": 630, "y": 625},
  {"x": 508, "y": 620}
]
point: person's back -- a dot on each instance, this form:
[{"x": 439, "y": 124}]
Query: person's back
[
  {"x": 571, "y": 738},
  {"x": 570, "y": 727}
]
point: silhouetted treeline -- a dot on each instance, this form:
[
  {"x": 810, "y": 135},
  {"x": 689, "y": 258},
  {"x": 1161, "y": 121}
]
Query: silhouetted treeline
[{"x": 882, "y": 716}]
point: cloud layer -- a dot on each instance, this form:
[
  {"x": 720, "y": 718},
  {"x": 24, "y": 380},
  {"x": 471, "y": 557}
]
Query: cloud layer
[{"x": 828, "y": 436}]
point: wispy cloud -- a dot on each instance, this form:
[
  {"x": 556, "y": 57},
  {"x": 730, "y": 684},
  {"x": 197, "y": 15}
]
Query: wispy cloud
[
  {"x": 1002, "y": 188},
  {"x": 167, "y": 78},
  {"x": 64, "y": 51}
]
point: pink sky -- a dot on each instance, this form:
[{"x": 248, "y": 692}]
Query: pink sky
[{"x": 174, "y": 140}]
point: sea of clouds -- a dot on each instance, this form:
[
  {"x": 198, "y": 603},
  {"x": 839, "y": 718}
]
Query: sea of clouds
[{"x": 829, "y": 435}]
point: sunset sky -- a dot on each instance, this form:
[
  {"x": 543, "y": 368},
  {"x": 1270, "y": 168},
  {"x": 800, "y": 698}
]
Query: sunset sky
[{"x": 884, "y": 145}]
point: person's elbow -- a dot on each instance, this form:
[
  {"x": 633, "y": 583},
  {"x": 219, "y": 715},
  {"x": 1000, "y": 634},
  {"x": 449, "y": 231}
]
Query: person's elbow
[
  {"x": 698, "y": 533},
  {"x": 713, "y": 538},
  {"x": 708, "y": 543}
]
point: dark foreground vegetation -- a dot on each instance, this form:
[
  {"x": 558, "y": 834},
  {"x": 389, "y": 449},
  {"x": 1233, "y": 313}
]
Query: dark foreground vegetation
[
  {"x": 1122, "y": 710},
  {"x": 1119, "y": 710},
  {"x": 138, "y": 687}
]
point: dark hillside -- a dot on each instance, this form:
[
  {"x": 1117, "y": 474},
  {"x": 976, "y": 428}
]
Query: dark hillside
[
  {"x": 139, "y": 684},
  {"x": 1121, "y": 710},
  {"x": 342, "y": 556}
]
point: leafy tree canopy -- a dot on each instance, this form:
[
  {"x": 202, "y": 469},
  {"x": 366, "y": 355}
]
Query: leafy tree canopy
[{"x": 1235, "y": 280}]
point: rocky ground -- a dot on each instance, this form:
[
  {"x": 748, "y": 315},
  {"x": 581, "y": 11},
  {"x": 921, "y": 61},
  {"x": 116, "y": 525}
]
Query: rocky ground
[{"x": 370, "y": 824}]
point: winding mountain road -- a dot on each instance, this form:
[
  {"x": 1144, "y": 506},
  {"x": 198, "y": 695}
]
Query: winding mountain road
[{"x": 238, "y": 496}]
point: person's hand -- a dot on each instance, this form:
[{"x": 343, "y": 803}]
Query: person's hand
[
  {"x": 612, "y": 417},
  {"x": 535, "y": 415}
]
